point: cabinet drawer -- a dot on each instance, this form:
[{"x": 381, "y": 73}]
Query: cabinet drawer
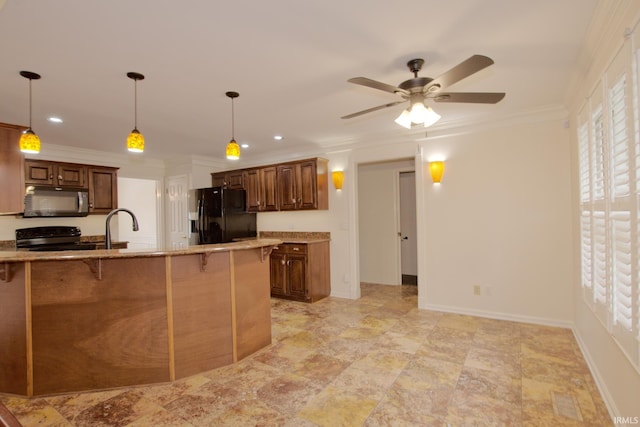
[{"x": 291, "y": 248}]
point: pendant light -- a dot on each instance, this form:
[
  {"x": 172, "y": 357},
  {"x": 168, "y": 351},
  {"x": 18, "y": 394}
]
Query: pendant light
[
  {"x": 135, "y": 140},
  {"x": 233, "y": 149},
  {"x": 29, "y": 141}
]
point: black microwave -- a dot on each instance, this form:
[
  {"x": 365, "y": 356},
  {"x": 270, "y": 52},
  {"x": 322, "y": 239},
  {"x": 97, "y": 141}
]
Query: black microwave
[{"x": 55, "y": 202}]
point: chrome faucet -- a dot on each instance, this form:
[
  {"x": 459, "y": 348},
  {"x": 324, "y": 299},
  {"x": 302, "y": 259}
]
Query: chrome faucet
[{"x": 107, "y": 233}]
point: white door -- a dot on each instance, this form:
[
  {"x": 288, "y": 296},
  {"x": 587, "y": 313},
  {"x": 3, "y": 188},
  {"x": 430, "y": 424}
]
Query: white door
[
  {"x": 407, "y": 232},
  {"x": 140, "y": 196},
  {"x": 177, "y": 211}
]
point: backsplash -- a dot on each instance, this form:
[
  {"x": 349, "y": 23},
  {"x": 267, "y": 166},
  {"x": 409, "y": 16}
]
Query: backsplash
[{"x": 305, "y": 235}]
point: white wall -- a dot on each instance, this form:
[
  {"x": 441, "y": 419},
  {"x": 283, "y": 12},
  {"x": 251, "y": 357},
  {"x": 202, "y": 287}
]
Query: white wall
[
  {"x": 378, "y": 220},
  {"x": 501, "y": 219}
]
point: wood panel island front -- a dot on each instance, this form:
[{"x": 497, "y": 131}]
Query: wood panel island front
[{"x": 87, "y": 320}]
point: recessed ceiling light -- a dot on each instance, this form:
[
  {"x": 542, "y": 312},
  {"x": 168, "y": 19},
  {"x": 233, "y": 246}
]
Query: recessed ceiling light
[
  {"x": 244, "y": 145},
  {"x": 55, "y": 119},
  {"x": 278, "y": 137}
]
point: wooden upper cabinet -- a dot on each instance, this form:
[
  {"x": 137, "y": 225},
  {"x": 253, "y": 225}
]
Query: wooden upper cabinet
[
  {"x": 11, "y": 170},
  {"x": 235, "y": 180},
  {"x": 260, "y": 185},
  {"x": 303, "y": 185},
  {"x": 103, "y": 189},
  {"x": 231, "y": 179},
  {"x": 269, "y": 188},
  {"x": 42, "y": 172},
  {"x": 300, "y": 185}
]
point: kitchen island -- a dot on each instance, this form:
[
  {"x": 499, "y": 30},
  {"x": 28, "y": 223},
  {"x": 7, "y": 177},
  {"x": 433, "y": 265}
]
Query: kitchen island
[{"x": 87, "y": 320}]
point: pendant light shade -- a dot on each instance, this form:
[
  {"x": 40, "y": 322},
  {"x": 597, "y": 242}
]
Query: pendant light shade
[
  {"x": 29, "y": 141},
  {"x": 135, "y": 140},
  {"x": 233, "y": 149}
]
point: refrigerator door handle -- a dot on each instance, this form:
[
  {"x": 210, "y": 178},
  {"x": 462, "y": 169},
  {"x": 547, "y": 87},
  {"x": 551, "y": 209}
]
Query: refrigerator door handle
[{"x": 200, "y": 222}]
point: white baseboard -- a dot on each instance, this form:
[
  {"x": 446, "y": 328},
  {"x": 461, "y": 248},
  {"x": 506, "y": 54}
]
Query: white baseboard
[
  {"x": 595, "y": 373},
  {"x": 500, "y": 316}
]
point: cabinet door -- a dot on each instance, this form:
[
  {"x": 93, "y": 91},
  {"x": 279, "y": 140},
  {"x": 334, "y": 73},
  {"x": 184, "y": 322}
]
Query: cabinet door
[
  {"x": 269, "y": 189},
  {"x": 11, "y": 170},
  {"x": 218, "y": 179},
  {"x": 252, "y": 189},
  {"x": 38, "y": 172},
  {"x": 278, "y": 273},
  {"x": 69, "y": 175},
  {"x": 103, "y": 190},
  {"x": 308, "y": 185},
  {"x": 235, "y": 180},
  {"x": 297, "y": 275},
  {"x": 287, "y": 195}
]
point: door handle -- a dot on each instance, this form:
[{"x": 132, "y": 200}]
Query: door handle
[{"x": 405, "y": 238}]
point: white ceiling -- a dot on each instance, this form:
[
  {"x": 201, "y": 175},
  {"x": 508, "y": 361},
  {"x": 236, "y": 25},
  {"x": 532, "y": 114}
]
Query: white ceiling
[{"x": 288, "y": 59}]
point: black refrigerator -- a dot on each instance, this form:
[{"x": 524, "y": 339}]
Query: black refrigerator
[{"x": 219, "y": 215}]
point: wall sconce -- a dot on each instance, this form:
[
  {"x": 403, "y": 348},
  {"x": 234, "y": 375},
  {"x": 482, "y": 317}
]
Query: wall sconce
[
  {"x": 436, "y": 169},
  {"x": 338, "y": 179}
]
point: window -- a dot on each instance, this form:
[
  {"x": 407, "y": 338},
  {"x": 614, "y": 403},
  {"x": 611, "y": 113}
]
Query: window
[{"x": 609, "y": 162}]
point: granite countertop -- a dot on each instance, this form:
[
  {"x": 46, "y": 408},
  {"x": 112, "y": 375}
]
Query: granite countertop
[
  {"x": 306, "y": 237},
  {"x": 18, "y": 256}
]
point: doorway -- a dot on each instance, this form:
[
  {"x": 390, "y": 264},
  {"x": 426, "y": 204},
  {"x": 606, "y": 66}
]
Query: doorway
[
  {"x": 142, "y": 197},
  {"x": 407, "y": 228},
  {"x": 380, "y": 236}
]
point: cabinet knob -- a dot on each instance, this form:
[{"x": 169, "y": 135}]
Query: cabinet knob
[
  {"x": 296, "y": 249},
  {"x": 282, "y": 262},
  {"x": 60, "y": 178}
]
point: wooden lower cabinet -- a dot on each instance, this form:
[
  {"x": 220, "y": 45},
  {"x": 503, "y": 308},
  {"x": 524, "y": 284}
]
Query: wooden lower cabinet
[{"x": 300, "y": 271}]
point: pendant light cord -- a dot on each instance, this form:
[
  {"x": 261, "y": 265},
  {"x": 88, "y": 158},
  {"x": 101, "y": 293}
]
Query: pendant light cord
[
  {"x": 135, "y": 104},
  {"x": 233, "y": 125},
  {"x": 30, "y": 104}
]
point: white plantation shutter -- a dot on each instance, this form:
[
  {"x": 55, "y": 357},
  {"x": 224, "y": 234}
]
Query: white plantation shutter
[
  {"x": 600, "y": 270},
  {"x": 585, "y": 177},
  {"x": 597, "y": 154},
  {"x": 608, "y": 135},
  {"x": 586, "y": 251},
  {"x": 621, "y": 274},
  {"x": 619, "y": 140}
]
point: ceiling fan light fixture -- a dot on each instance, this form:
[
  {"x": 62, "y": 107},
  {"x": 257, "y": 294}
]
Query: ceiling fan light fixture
[
  {"x": 418, "y": 112},
  {"x": 430, "y": 118},
  {"x": 404, "y": 119},
  {"x": 233, "y": 149}
]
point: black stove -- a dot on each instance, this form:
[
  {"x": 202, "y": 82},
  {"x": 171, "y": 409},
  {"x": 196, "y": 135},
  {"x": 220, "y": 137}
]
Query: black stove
[{"x": 51, "y": 238}]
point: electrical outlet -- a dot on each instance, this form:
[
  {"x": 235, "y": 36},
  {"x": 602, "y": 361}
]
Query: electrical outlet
[{"x": 476, "y": 290}]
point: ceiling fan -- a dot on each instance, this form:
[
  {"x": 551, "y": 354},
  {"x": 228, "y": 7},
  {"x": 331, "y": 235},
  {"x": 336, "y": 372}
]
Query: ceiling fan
[{"x": 418, "y": 89}]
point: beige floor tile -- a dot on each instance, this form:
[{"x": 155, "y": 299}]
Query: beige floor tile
[{"x": 377, "y": 361}]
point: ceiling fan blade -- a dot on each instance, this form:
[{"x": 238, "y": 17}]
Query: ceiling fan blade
[
  {"x": 469, "y": 97},
  {"x": 464, "y": 69},
  {"x": 369, "y": 110},
  {"x": 377, "y": 85}
]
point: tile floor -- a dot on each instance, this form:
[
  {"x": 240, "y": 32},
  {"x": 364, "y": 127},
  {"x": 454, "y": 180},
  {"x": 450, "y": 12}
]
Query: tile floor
[{"x": 377, "y": 361}]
